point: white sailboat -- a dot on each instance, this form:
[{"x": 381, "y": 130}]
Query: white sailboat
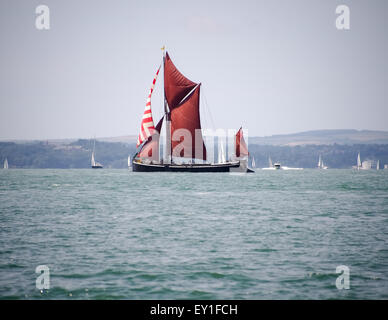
[
  {"x": 5, "y": 163},
  {"x": 320, "y": 163},
  {"x": 358, "y": 162},
  {"x": 253, "y": 163},
  {"x": 378, "y": 165},
  {"x": 94, "y": 163},
  {"x": 270, "y": 165}
]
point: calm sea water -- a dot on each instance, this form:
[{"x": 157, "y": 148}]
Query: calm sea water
[{"x": 114, "y": 234}]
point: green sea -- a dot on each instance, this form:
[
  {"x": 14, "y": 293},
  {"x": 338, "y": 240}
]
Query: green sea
[{"x": 116, "y": 234}]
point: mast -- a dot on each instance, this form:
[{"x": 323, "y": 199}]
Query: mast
[{"x": 168, "y": 151}]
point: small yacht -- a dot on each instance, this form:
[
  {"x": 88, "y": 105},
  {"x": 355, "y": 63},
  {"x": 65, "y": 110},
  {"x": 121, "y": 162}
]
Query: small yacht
[
  {"x": 5, "y": 166},
  {"x": 94, "y": 163}
]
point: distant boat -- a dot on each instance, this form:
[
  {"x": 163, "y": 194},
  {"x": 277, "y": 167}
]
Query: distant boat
[
  {"x": 378, "y": 165},
  {"x": 253, "y": 163},
  {"x": 270, "y": 166},
  {"x": 320, "y": 163},
  {"x": 95, "y": 165},
  {"x": 5, "y": 164},
  {"x": 277, "y": 166}
]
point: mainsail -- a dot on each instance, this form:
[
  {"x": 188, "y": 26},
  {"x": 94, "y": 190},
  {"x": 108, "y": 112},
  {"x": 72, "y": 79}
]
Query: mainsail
[
  {"x": 5, "y": 163},
  {"x": 93, "y": 162},
  {"x": 358, "y": 161},
  {"x": 186, "y": 116},
  {"x": 241, "y": 146}
]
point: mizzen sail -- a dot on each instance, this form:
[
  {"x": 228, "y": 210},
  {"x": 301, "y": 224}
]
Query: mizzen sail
[{"x": 241, "y": 146}]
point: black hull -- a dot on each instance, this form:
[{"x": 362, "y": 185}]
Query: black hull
[
  {"x": 224, "y": 167},
  {"x": 96, "y": 167}
]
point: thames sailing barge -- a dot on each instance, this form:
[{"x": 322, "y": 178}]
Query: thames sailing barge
[{"x": 185, "y": 150}]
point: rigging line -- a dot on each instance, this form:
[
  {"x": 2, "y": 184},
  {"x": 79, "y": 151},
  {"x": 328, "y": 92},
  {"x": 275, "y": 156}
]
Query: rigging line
[{"x": 207, "y": 108}]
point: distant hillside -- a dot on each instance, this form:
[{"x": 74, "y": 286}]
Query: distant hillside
[
  {"x": 77, "y": 154},
  {"x": 317, "y": 137},
  {"x": 324, "y": 137},
  {"x": 339, "y": 149}
]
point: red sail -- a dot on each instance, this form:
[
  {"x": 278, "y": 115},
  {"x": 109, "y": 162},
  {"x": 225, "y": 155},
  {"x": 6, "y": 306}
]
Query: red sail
[
  {"x": 241, "y": 146},
  {"x": 176, "y": 85},
  {"x": 150, "y": 148},
  {"x": 186, "y": 116}
]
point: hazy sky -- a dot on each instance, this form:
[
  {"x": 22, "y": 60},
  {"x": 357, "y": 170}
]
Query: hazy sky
[{"x": 272, "y": 66}]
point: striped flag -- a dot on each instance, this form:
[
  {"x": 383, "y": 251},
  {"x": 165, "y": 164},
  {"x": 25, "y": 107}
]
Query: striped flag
[{"x": 147, "y": 124}]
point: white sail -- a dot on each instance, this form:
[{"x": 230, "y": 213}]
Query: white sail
[
  {"x": 253, "y": 163},
  {"x": 221, "y": 154},
  {"x": 320, "y": 164},
  {"x": 93, "y": 162},
  {"x": 378, "y": 165},
  {"x": 129, "y": 161},
  {"x": 270, "y": 162},
  {"x": 6, "y": 163},
  {"x": 358, "y": 161}
]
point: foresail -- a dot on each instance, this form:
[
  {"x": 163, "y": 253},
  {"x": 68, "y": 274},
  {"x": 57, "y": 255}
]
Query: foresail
[
  {"x": 150, "y": 149},
  {"x": 147, "y": 125}
]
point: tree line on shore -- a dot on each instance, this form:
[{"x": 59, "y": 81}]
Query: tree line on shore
[{"x": 115, "y": 154}]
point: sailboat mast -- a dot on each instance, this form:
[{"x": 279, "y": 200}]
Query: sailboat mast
[{"x": 168, "y": 150}]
